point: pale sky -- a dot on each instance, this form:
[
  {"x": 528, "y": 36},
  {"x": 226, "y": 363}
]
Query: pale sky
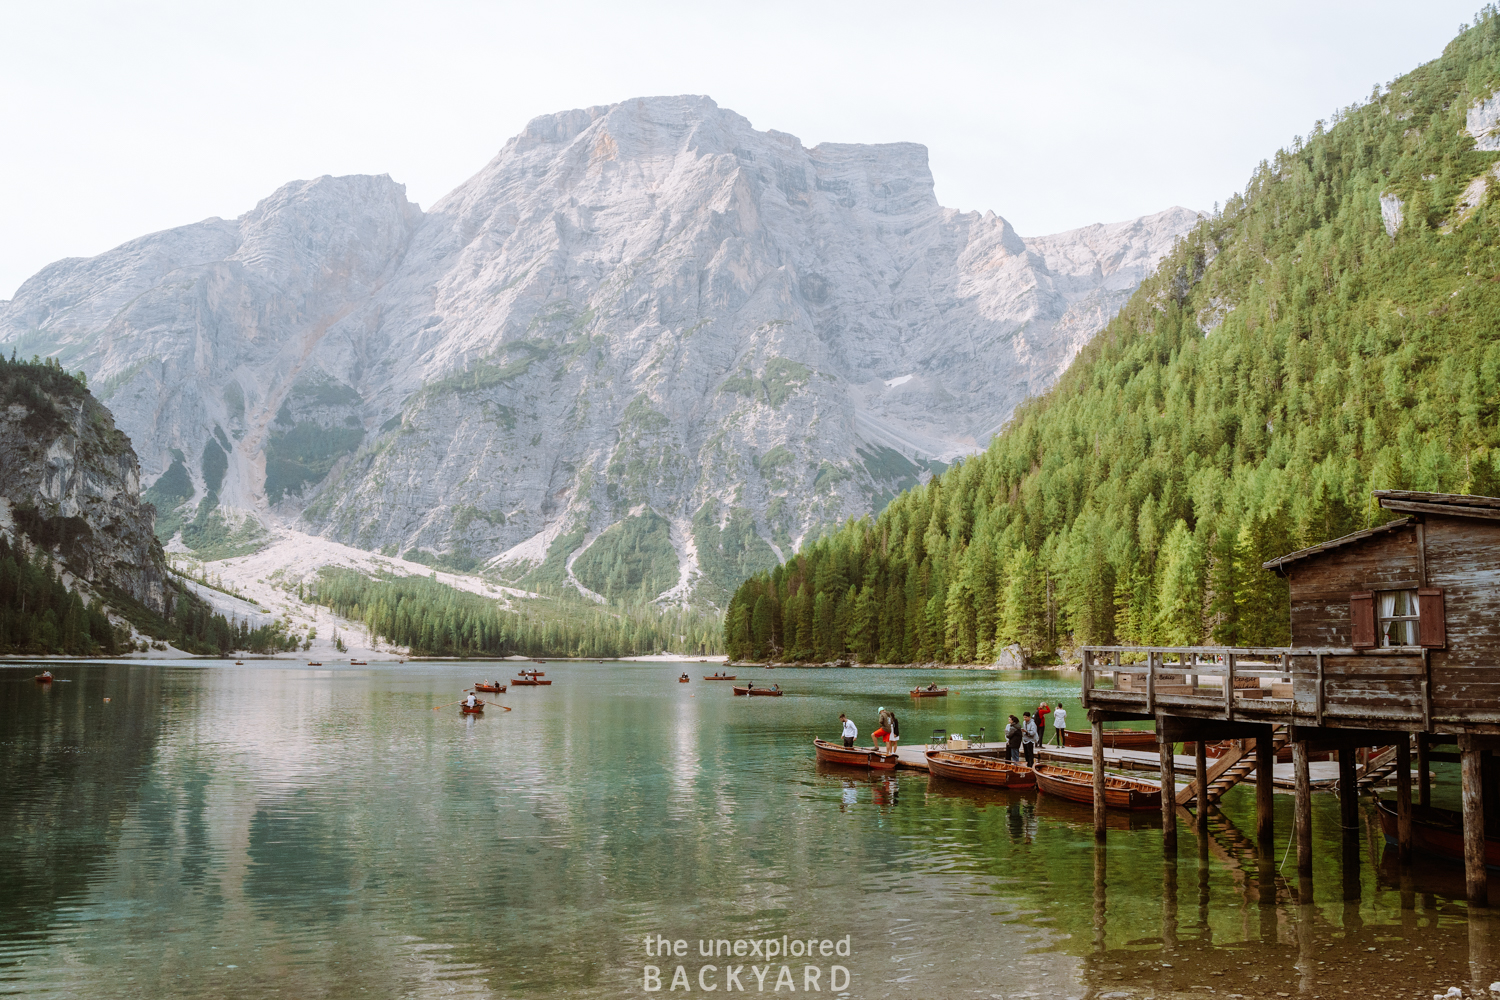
[{"x": 119, "y": 119}]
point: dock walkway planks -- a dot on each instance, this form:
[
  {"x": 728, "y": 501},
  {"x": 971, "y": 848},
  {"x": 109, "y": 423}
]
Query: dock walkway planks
[{"x": 1323, "y": 774}]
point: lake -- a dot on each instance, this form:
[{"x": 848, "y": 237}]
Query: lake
[{"x": 204, "y": 830}]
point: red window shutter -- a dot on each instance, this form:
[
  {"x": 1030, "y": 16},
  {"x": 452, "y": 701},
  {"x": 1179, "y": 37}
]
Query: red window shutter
[
  {"x": 1432, "y": 626},
  {"x": 1362, "y": 619}
]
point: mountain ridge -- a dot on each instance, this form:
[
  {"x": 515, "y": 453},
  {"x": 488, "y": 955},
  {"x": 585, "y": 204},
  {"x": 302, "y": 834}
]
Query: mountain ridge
[{"x": 644, "y": 307}]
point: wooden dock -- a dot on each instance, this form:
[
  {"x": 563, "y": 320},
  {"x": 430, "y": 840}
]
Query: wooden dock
[{"x": 1322, "y": 775}]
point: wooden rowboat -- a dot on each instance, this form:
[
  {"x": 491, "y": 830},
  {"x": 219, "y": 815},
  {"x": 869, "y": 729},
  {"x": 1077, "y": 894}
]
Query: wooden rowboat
[
  {"x": 359, "y": 663},
  {"x": 314, "y": 663},
  {"x": 979, "y": 770},
  {"x": 683, "y": 679},
  {"x": 1114, "y": 739},
  {"x": 929, "y": 692},
  {"x": 1078, "y": 786},
  {"x": 478, "y": 708},
  {"x": 528, "y": 682},
  {"x": 45, "y": 677},
  {"x": 1434, "y": 831},
  {"x": 759, "y": 692},
  {"x": 533, "y": 674},
  {"x": 719, "y": 677},
  {"x": 836, "y": 753},
  {"x": 495, "y": 688}
]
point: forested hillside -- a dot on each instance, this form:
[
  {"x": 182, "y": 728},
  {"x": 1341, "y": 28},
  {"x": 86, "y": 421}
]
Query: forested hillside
[{"x": 1332, "y": 331}]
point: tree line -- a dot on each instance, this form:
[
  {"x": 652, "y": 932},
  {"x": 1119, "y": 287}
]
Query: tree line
[
  {"x": 1287, "y": 358},
  {"x": 434, "y": 619}
]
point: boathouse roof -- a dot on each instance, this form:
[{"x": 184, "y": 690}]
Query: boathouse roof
[{"x": 1409, "y": 502}]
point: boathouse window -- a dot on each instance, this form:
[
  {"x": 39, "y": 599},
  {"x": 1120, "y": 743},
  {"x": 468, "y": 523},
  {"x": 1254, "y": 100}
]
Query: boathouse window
[{"x": 1398, "y": 617}]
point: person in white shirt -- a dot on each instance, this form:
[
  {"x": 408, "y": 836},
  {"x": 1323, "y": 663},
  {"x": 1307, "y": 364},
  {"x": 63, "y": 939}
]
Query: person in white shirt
[
  {"x": 1059, "y": 722},
  {"x": 469, "y": 701},
  {"x": 849, "y": 731}
]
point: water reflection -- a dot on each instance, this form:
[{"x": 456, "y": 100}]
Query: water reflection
[{"x": 234, "y": 833}]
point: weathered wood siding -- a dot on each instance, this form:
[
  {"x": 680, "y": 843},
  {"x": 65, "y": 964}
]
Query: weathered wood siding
[
  {"x": 1463, "y": 558},
  {"x": 1320, "y": 586}
]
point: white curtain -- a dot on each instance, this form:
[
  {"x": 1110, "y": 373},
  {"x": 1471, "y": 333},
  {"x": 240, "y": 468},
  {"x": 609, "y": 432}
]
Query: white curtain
[{"x": 1389, "y": 630}]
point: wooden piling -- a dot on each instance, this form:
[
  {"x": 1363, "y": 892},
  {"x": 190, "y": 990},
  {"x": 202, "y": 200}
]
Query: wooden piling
[
  {"x": 1200, "y": 803},
  {"x": 1302, "y": 809},
  {"x": 1168, "y": 792},
  {"x": 1099, "y": 820},
  {"x": 1424, "y": 777},
  {"x": 1403, "y": 800},
  {"x": 1348, "y": 790},
  {"x": 1265, "y": 791},
  {"x": 1475, "y": 877}
]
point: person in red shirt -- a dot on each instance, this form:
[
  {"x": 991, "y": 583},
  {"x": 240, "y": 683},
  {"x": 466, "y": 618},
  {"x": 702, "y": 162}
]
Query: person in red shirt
[{"x": 1041, "y": 722}]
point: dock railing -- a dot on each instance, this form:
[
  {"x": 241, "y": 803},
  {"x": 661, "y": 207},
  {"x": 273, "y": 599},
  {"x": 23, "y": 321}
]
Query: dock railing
[{"x": 1142, "y": 679}]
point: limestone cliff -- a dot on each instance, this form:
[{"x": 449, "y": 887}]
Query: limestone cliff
[{"x": 646, "y": 350}]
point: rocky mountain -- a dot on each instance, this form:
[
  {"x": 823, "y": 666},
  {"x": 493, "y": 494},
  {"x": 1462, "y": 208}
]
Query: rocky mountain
[
  {"x": 70, "y": 485},
  {"x": 645, "y": 351}
]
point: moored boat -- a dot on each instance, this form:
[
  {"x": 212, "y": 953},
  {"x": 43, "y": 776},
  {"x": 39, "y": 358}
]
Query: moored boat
[
  {"x": 1078, "y": 786},
  {"x": 931, "y": 691},
  {"x": 495, "y": 687},
  {"x": 835, "y": 753},
  {"x": 979, "y": 770},
  {"x": 1434, "y": 831},
  {"x": 1114, "y": 739},
  {"x": 771, "y": 692}
]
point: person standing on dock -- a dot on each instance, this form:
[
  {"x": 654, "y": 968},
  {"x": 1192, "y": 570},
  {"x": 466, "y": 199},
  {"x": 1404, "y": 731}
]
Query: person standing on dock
[
  {"x": 850, "y": 732},
  {"x": 1059, "y": 722},
  {"x": 1013, "y": 739},
  {"x": 892, "y": 731},
  {"x": 1028, "y": 738},
  {"x": 1041, "y": 722}
]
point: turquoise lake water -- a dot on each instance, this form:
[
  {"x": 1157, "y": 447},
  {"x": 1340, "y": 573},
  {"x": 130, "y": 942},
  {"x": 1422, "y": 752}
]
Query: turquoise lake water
[{"x": 280, "y": 830}]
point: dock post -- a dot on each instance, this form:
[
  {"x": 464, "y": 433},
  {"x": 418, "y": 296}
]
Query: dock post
[
  {"x": 1424, "y": 777},
  {"x": 1302, "y": 809},
  {"x": 1348, "y": 790},
  {"x": 1475, "y": 877},
  {"x": 1200, "y": 805},
  {"x": 1403, "y": 800},
  {"x": 1265, "y": 790},
  {"x": 1099, "y": 821},
  {"x": 1168, "y": 792}
]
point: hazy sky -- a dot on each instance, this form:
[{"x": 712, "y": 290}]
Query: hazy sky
[{"x": 123, "y": 118}]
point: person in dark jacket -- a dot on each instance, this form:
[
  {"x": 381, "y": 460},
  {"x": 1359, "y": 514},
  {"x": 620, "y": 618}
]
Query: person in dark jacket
[
  {"x": 1013, "y": 739},
  {"x": 1028, "y": 739}
]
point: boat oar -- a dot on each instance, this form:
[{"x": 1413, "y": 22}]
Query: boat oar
[{"x": 439, "y": 708}]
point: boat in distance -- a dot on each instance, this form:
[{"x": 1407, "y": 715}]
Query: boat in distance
[
  {"x": 530, "y": 678},
  {"x": 837, "y": 753},
  {"x": 719, "y": 677},
  {"x": 1078, "y": 786},
  {"x": 1114, "y": 739},
  {"x": 45, "y": 677},
  {"x": 775, "y": 692},
  {"x": 494, "y": 687},
  {"x": 931, "y": 691},
  {"x": 979, "y": 770},
  {"x": 1434, "y": 831}
]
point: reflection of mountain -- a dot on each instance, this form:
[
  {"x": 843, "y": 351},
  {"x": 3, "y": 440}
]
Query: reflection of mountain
[
  {"x": 649, "y": 317},
  {"x": 72, "y": 769}
]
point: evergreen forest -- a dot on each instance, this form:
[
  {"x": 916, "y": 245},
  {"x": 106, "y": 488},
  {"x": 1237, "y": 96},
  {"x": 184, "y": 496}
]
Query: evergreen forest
[
  {"x": 434, "y": 619},
  {"x": 1331, "y": 331}
]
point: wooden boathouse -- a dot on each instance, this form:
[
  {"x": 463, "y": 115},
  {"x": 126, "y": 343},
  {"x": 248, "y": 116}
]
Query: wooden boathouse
[{"x": 1395, "y": 645}]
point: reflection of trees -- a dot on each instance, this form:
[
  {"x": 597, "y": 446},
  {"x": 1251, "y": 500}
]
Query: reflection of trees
[{"x": 70, "y": 768}]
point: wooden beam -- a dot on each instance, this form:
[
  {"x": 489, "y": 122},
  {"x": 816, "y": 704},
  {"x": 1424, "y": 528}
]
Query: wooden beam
[
  {"x": 1403, "y": 801},
  {"x": 1424, "y": 777},
  {"x": 1476, "y": 879},
  {"x": 1183, "y": 729},
  {"x": 1221, "y": 764},
  {"x": 1201, "y": 760},
  {"x": 1265, "y": 790},
  {"x": 1348, "y": 790},
  {"x": 1302, "y": 809},
  {"x": 1168, "y": 800},
  {"x": 1451, "y": 510},
  {"x": 1099, "y": 816}
]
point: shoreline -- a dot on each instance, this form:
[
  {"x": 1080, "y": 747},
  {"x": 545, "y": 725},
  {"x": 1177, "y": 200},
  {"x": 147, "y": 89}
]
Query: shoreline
[{"x": 848, "y": 665}]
